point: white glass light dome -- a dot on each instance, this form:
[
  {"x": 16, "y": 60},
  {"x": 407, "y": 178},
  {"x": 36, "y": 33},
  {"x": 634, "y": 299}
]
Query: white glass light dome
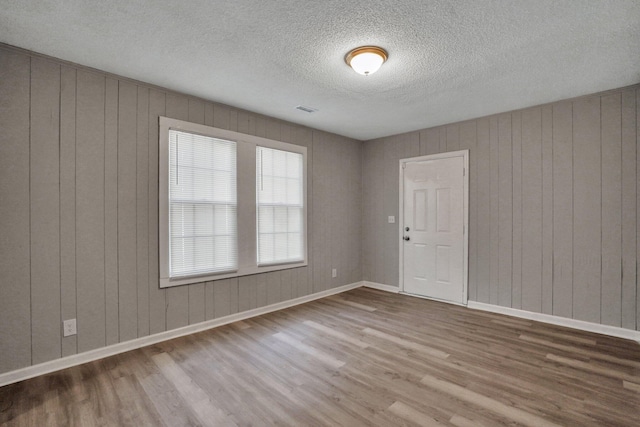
[{"x": 366, "y": 60}]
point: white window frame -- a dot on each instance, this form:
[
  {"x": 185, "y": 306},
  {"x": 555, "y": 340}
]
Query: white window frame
[{"x": 246, "y": 197}]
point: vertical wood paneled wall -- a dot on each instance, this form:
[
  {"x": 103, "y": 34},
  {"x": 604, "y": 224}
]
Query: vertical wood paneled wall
[
  {"x": 553, "y": 206},
  {"x": 79, "y": 211}
]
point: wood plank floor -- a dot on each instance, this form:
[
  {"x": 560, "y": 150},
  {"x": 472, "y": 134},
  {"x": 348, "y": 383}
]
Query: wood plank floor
[{"x": 364, "y": 357}]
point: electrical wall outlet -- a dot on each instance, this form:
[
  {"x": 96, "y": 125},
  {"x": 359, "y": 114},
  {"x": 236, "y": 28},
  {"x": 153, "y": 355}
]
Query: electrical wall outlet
[
  {"x": 392, "y": 219},
  {"x": 69, "y": 327},
  {"x": 334, "y": 272}
]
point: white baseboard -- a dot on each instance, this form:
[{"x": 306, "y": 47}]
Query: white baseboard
[
  {"x": 381, "y": 287},
  {"x": 100, "y": 353},
  {"x": 560, "y": 321}
]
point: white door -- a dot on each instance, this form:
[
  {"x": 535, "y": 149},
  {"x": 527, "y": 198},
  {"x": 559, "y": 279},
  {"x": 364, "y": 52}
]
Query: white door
[{"x": 433, "y": 249}]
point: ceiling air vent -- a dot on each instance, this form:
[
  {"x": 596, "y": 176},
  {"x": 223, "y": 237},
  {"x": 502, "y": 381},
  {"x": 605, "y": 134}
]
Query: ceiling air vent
[{"x": 306, "y": 109}]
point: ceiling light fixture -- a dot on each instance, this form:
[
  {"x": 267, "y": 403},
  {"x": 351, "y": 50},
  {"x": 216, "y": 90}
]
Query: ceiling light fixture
[{"x": 366, "y": 60}]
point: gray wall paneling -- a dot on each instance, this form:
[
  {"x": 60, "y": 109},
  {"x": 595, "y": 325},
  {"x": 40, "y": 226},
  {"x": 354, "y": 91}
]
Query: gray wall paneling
[
  {"x": 157, "y": 300},
  {"x": 321, "y": 189},
  {"x": 587, "y": 205},
  {"x": 90, "y": 258},
  {"x": 68, "y": 292},
  {"x": 142, "y": 211},
  {"x": 15, "y": 298},
  {"x": 637, "y": 207},
  {"x": 261, "y": 290},
  {"x": 94, "y": 163},
  {"x": 629, "y": 186},
  {"x": 532, "y": 210},
  {"x": 247, "y": 293},
  {"x": 273, "y": 287},
  {"x": 372, "y": 211},
  {"x": 285, "y": 285},
  {"x": 127, "y": 211},
  {"x": 468, "y": 142},
  {"x": 516, "y": 221},
  {"x": 547, "y": 209},
  {"x": 563, "y": 209},
  {"x": 484, "y": 210},
  {"x": 45, "y": 210},
  {"x": 494, "y": 198},
  {"x": 610, "y": 304},
  {"x": 225, "y": 297},
  {"x": 505, "y": 215},
  {"x": 111, "y": 212},
  {"x": 453, "y": 138},
  {"x": 553, "y": 206},
  {"x": 208, "y": 301}
]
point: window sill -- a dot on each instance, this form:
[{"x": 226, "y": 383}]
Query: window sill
[{"x": 246, "y": 271}]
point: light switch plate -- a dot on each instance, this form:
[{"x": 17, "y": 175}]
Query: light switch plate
[{"x": 392, "y": 219}]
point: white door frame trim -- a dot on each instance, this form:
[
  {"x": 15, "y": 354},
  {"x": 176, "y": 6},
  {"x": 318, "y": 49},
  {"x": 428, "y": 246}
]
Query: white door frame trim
[{"x": 465, "y": 155}]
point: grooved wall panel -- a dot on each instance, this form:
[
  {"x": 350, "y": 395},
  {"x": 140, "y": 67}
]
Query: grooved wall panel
[
  {"x": 563, "y": 209},
  {"x": 553, "y": 206},
  {"x": 261, "y": 290},
  {"x": 68, "y": 203},
  {"x": 505, "y": 215},
  {"x": 547, "y": 209},
  {"x": 532, "y": 210},
  {"x": 321, "y": 190},
  {"x": 494, "y": 198},
  {"x": 430, "y": 141},
  {"x": 453, "y": 138},
  {"x": 157, "y": 306},
  {"x": 127, "y": 208},
  {"x": 629, "y": 185},
  {"x": 637, "y": 207},
  {"x": 610, "y": 304},
  {"x": 247, "y": 293},
  {"x": 142, "y": 212},
  {"x": 587, "y": 205},
  {"x": 90, "y": 210},
  {"x": 45, "y": 210},
  {"x": 82, "y": 242},
  {"x": 285, "y": 285},
  {"x": 468, "y": 142},
  {"x": 373, "y": 215},
  {"x": 516, "y": 204},
  {"x": 484, "y": 210},
  {"x": 15, "y": 298},
  {"x": 111, "y": 212}
]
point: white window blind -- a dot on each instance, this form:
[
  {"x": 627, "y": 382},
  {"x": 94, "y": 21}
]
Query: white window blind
[
  {"x": 280, "y": 195},
  {"x": 202, "y": 205}
]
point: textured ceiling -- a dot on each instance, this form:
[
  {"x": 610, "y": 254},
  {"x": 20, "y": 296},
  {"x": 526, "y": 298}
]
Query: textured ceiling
[{"x": 448, "y": 60}]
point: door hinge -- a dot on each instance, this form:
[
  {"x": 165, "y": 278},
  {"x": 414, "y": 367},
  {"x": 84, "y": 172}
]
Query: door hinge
[
  {"x": 464, "y": 172},
  {"x": 404, "y": 166}
]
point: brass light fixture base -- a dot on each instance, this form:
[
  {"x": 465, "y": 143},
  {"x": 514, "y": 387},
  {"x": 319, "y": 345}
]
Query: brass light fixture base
[{"x": 366, "y": 49}]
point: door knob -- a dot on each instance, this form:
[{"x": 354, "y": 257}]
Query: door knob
[{"x": 407, "y": 238}]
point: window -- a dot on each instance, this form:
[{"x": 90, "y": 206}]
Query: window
[
  {"x": 202, "y": 204},
  {"x": 280, "y": 207},
  {"x": 230, "y": 204}
]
